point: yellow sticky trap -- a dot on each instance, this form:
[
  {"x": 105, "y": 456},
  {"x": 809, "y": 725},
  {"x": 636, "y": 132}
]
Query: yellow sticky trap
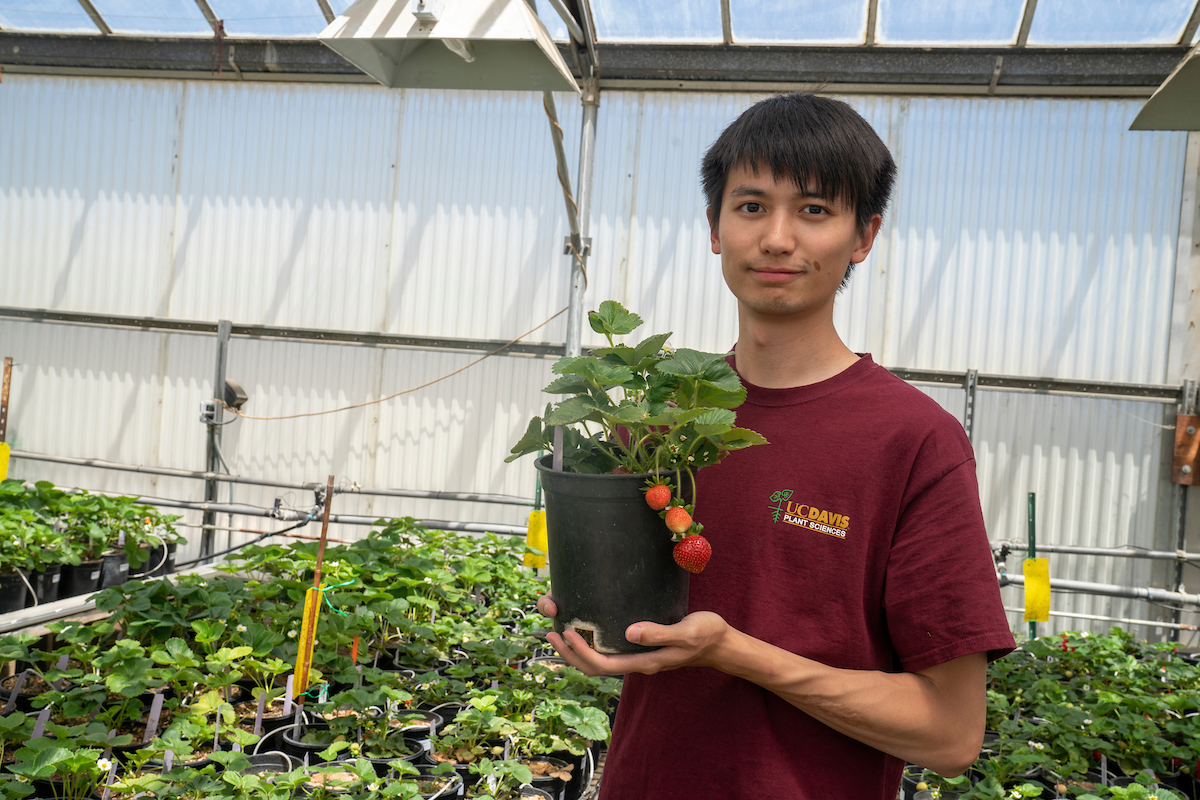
[
  {"x": 4, "y": 450},
  {"x": 1037, "y": 589},
  {"x": 536, "y": 538},
  {"x": 308, "y": 631}
]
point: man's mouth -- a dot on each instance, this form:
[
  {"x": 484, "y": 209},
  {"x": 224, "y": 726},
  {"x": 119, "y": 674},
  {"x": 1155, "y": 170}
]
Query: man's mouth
[{"x": 775, "y": 273}]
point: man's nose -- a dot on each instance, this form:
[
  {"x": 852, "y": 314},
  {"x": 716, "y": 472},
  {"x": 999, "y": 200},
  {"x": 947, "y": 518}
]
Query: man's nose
[{"x": 779, "y": 236}]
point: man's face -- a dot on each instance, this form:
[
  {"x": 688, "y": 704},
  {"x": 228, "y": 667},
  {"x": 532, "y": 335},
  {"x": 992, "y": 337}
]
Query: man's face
[{"x": 784, "y": 251}]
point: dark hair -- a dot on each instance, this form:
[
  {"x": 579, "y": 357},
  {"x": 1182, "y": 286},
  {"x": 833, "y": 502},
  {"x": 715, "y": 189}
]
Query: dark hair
[{"x": 819, "y": 143}]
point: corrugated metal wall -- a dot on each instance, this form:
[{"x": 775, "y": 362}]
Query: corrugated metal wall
[{"x": 1032, "y": 237}]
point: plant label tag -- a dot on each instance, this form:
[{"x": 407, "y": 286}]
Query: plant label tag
[
  {"x": 39, "y": 727},
  {"x": 168, "y": 761},
  {"x": 323, "y": 695},
  {"x": 61, "y": 665},
  {"x": 108, "y": 780},
  {"x": 123, "y": 566},
  {"x": 258, "y": 715},
  {"x": 121, "y": 539},
  {"x": 55, "y": 577},
  {"x": 152, "y": 720},
  {"x": 4, "y": 452},
  {"x": 217, "y": 732},
  {"x": 287, "y": 696},
  {"x": 95, "y": 575},
  {"x": 358, "y": 680},
  {"x": 12, "y": 698}
]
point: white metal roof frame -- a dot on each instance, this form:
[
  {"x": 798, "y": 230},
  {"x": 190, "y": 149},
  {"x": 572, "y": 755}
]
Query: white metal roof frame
[{"x": 1022, "y": 65}]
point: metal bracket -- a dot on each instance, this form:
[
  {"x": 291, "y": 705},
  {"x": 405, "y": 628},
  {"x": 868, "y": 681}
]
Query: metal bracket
[
  {"x": 970, "y": 383},
  {"x": 585, "y": 251}
]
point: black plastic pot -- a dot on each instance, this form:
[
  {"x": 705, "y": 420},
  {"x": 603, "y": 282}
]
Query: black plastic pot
[
  {"x": 115, "y": 569},
  {"x": 45, "y": 583},
  {"x": 12, "y": 592},
  {"x": 273, "y": 761},
  {"x": 160, "y": 560},
  {"x": 297, "y": 749},
  {"x": 610, "y": 557},
  {"x": 430, "y": 785},
  {"x": 415, "y": 755},
  {"x": 81, "y": 579},
  {"x": 552, "y": 786}
]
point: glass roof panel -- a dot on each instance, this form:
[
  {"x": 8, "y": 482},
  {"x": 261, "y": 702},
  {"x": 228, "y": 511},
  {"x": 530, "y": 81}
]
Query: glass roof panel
[
  {"x": 175, "y": 17},
  {"x": 800, "y": 21},
  {"x": 1110, "y": 22},
  {"x": 949, "y": 22},
  {"x": 269, "y": 17},
  {"x": 1196, "y": 38},
  {"x": 339, "y": 6},
  {"x": 65, "y": 16},
  {"x": 658, "y": 20}
]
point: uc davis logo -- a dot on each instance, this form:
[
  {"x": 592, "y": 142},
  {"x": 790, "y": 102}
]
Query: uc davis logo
[{"x": 779, "y": 498}]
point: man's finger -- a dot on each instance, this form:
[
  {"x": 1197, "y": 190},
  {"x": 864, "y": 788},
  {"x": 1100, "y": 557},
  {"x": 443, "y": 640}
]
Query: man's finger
[{"x": 547, "y": 606}]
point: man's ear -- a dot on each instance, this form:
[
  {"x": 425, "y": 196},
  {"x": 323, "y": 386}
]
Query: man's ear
[
  {"x": 866, "y": 239},
  {"x": 713, "y": 236}
]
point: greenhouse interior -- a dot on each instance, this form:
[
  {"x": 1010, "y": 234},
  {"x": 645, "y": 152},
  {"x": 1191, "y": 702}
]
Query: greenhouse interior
[{"x": 339, "y": 409}]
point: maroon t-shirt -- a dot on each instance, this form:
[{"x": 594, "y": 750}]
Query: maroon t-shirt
[{"x": 854, "y": 538}]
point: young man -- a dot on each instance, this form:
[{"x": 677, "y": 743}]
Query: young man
[{"x": 844, "y": 623}]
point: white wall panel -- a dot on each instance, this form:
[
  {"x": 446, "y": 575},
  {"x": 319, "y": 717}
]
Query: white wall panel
[
  {"x": 87, "y": 193},
  {"x": 285, "y": 204}
]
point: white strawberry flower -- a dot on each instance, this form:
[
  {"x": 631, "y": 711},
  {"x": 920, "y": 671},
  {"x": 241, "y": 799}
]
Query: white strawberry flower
[
  {"x": 241, "y": 628},
  {"x": 292, "y": 633}
]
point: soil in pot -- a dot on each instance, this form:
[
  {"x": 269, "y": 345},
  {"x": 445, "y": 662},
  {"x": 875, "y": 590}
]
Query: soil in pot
[
  {"x": 382, "y": 762},
  {"x": 12, "y": 592},
  {"x": 308, "y": 742},
  {"x": 550, "y": 774},
  {"x": 51, "y": 789},
  {"x": 31, "y": 687},
  {"x": 430, "y": 785},
  {"x": 81, "y": 579},
  {"x": 114, "y": 569},
  {"x": 463, "y": 768},
  {"x": 45, "y": 585},
  {"x": 610, "y": 558}
]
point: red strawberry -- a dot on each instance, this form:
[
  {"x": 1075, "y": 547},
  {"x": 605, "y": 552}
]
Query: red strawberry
[
  {"x": 658, "y": 495},
  {"x": 678, "y": 519},
  {"x": 692, "y": 553}
]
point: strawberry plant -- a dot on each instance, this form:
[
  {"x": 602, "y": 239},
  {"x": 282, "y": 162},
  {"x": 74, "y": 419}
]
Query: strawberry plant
[{"x": 645, "y": 408}]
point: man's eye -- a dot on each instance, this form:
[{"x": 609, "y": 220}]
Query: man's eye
[
  {"x": 814, "y": 210},
  {"x": 753, "y": 208}
]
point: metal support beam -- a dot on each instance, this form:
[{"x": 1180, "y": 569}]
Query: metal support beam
[
  {"x": 1041, "y": 71},
  {"x": 313, "y": 335},
  {"x": 1114, "y": 552},
  {"x": 207, "y": 11},
  {"x": 96, "y": 18},
  {"x": 1189, "y": 30},
  {"x": 969, "y": 385},
  {"x": 727, "y": 22},
  {"x": 590, "y": 99},
  {"x": 872, "y": 21},
  {"x": 326, "y": 11},
  {"x": 578, "y": 276},
  {"x": 213, "y": 448},
  {"x": 1026, "y": 22},
  {"x": 572, "y": 24}
]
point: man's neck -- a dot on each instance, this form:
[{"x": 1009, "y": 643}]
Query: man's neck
[{"x": 783, "y": 352}]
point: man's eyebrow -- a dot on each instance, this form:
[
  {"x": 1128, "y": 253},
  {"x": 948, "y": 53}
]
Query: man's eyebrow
[{"x": 750, "y": 190}]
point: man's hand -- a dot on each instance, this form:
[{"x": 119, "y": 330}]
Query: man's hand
[{"x": 691, "y": 642}]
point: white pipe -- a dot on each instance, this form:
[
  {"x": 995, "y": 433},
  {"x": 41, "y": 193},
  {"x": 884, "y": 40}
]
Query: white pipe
[
  {"x": 1147, "y": 622},
  {"x": 1110, "y": 590}
]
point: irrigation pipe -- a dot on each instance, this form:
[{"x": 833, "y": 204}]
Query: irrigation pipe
[
  {"x": 465, "y": 497},
  {"x": 1179, "y": 626},
  {"x": 1110, "y": 590},
  {"x": 1116, "y": 552}
]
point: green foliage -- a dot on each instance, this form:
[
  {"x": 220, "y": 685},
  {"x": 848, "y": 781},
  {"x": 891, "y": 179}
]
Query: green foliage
[{"x": 672, "y": 409}]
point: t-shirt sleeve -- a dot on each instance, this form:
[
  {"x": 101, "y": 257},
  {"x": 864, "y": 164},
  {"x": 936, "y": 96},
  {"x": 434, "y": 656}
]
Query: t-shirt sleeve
[{"x": 941, "y": 595}]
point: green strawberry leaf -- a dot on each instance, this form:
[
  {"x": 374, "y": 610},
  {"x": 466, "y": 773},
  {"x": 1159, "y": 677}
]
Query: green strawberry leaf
[
  {"x": 692, "y": 364},
  {"x": 594, "y": 370},
  {"x": 576, "y": 409},
  {"x": 737, "y": 438},
  {"x": 650, "y": 347},
  {"x": 713, "y": 421},
  {"x": 567, "y": 384},
  {"x": 713, "y": 396},
  {"x": 612, "y": 319},
  {"x": 617, "y": 355}
]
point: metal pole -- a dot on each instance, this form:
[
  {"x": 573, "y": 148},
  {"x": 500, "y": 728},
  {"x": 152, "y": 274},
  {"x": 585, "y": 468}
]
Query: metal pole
[
  {"x": 969, "y": 385},
  {"x": 1180, "y": 496},
  {"x": 587, "y": 169},
  {"x": 1110, "y": 590},
  {"x": 212, "y": 460},
  {"x": 1032, "y": 551}
]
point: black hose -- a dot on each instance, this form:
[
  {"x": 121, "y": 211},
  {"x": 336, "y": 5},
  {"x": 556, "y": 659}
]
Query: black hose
[{"x": 255, "y": 540}]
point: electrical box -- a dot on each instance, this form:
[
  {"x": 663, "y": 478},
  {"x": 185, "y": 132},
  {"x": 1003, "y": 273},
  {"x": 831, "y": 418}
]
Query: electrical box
[{"x": 208, "y": 411}]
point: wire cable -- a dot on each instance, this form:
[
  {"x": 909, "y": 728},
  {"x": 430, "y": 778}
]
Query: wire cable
[{"x": 405, "y": 391}]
